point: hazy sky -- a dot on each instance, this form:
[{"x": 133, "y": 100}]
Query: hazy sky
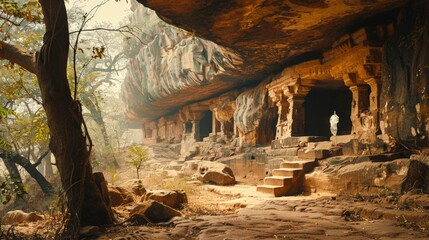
[{"x": 112, "y": 11}]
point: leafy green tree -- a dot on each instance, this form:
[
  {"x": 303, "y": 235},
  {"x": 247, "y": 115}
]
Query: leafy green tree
[{"x": 138, "y": 158}]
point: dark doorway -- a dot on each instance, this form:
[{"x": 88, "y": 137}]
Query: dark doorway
[
  {"x": 206, "y": 125},
  {"x": 320, "y": 104}
]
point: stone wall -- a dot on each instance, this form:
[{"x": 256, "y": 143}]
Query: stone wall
[{"x": 405, "y": 92}]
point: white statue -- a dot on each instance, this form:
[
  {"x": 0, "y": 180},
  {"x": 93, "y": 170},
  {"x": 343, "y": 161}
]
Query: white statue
[{"x": 334, "y": 121}]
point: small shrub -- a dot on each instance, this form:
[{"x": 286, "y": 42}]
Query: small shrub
[{"x": 138, "y": 158}]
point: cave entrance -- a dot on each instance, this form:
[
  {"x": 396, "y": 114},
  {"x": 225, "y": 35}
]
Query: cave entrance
[
  {"x": 320, "y": 104},
  {"x": 267, "y": 126},
  {"x": 206, "y": 125}
]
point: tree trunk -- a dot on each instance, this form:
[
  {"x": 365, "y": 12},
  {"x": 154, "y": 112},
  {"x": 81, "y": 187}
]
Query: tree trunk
[
  {"x": 95, "y": 111},
  {"x": 49, "y": 171},
  {"x": 13, "y": 171},
  {"x": 68, "y": 143},
  {"x": 14, "y": 158}
]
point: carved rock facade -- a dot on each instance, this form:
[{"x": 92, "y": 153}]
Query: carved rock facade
[{"x": 360, "y": 77}]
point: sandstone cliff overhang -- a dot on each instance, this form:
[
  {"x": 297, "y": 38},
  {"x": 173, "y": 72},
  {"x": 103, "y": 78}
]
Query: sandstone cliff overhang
[{"x": 265, "y": 35}]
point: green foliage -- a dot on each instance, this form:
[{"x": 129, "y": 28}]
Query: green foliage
[
  {"x": 139, "y": 157},
  {"x": 5, "y": 112},
  {"x": 21, "y": 10},
  {"x": 9, "y": 189}
]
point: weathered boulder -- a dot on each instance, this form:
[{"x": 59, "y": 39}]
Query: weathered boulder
[
  {"x": 417, "y": 201},
  {"x": 172, "y": 198},
  {"x": 135, "y": 185},
  {"x": 358, "y": 175},
  {"x": 215, "y": 173},
  {"x": 119, "y": 196},
  {"x": 152, "y": 212},
  {"x": 19, "y": 216}
]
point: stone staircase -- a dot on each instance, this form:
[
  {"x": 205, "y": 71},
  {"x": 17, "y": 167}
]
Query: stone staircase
[
  {"x": 298, "y": 156},
  {"x": 288, "y": 179}
]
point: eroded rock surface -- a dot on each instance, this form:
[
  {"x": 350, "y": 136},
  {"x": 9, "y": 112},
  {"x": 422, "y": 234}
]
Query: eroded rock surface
[
  {"x": 359, "y": 175},
  {"x": 172, "y": 198},
  {"x": 287, "y": 218},
  {"x": 212, "y": 172},
  {"x": 250, "y": 40},
  {"x": 119, "y": 196},
  {"x": 152, "y": 212},
  {"x": 405, "y": 92},
  {"x": 169, "y": 65}
]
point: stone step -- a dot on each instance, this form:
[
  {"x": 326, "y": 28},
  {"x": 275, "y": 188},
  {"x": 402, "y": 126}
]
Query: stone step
[
  {"x": 307, "y": 166},
  {"x": 314, "y": 154},
  {"x": 272, "y": 190},
  {"x": 296, "y": 141},
  {"x": 278, "y": 181},
  {"x": 287, "y": 172}
]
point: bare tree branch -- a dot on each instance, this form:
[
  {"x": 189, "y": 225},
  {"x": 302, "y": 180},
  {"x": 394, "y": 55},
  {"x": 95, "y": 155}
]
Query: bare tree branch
[
  {"x": 18, "y": 55},
  {"x": 39, "y": 160}
]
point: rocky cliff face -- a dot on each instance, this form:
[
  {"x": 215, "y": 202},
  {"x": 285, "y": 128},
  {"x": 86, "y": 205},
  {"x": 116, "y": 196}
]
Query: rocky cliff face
[
  {"x": 170, "y": 67},
  {"x": 405, "y": 92},
  {"x": 173, "y": 67},
  {"x": 270, "y": 33},
  {"x": 252, "y": 40}
]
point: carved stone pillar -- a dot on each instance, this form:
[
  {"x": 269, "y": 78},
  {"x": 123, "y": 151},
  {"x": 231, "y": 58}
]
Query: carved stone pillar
[
  {"x": 295, "y": 116},
  {"x": 276, "y": 95},
  {"x": 196, "y": 130},
  {"x": 283, "y": 109},
  {"x": 374, "y": 98},
  {"x": 295, "y": 122},
  {"x": 360, "y": 102},
  {"x": 214, "y": 121},
  {"x": 155, "y": 133}
]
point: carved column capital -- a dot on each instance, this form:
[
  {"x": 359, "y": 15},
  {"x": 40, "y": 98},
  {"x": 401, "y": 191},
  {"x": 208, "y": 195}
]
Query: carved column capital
[
  {"x": 296, "y": 90},
  {"x": 350, "y": 79},
  {"x": 275, "y": 95}
]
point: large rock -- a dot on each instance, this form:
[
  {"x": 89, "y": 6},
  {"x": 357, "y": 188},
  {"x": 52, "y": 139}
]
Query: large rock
[
  {"x": 19, "y": 216},
  {"x": 404, "y": 95},
  {"x": 135, "y": 185},
  {"x": 152, "y": 212},
  {"x": 119, "y": 196},
  {"x": 172, "y": 198},
  {"x": 358, "y": 175},
  {"x": 215, "y": 173}
]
